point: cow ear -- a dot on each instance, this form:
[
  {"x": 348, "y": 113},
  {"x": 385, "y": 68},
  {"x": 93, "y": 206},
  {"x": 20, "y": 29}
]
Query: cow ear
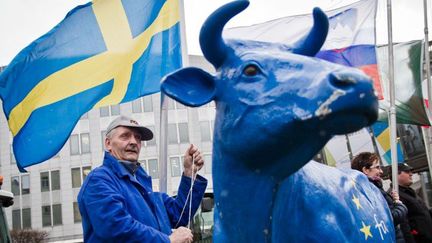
[{"x": 189, "y": 86}]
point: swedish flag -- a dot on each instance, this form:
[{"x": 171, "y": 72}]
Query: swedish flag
[
  {"x": 104, "y": 52},
  {"x": 381, "y": 132}
]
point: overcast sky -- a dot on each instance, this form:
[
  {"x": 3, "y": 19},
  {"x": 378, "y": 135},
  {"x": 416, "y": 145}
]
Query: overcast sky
[{"x": 22, "y": 21}]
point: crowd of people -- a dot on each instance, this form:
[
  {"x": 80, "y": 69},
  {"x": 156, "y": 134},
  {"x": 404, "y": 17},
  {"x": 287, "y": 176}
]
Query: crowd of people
[{"x": 411, "y": 217}]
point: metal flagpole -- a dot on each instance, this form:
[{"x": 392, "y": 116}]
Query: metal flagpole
[
  {"x": 392, "y": 114},
  {"x": 428, "y": 82},
  {"x": 163, "y": 124}
]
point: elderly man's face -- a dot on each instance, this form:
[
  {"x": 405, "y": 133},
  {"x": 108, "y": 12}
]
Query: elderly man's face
[
  {"x": 405, "y": 178},
  {"x": 124, "y": 143}
]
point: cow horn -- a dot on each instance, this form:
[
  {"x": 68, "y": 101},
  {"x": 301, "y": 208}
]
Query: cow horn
[
  {"x": 212, "y": 44},
  {"x": 313, "y": 41}
]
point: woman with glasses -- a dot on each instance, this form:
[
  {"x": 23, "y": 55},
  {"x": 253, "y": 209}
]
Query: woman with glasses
[{"x": 368, "y": 164}]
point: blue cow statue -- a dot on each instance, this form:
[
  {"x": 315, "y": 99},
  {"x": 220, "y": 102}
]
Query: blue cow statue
[{"x": 276, "y": 107}]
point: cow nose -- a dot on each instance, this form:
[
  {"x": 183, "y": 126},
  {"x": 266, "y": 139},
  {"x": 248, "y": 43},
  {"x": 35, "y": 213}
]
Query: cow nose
[{"x": 345, "y": 80}]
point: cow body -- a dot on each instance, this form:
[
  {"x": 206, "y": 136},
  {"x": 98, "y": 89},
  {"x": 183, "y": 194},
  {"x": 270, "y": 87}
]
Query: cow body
[{"x": 276, "y": 107}]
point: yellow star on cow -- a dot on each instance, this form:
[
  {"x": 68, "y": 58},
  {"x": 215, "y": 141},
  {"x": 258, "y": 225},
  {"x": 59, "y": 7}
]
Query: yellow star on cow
[
  {"x": 356, "y": 201},
  {"x": 366, "y": 230}
]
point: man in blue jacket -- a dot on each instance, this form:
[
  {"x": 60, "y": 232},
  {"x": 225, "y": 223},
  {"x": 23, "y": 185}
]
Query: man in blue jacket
[{"x": 117, "y": 203}]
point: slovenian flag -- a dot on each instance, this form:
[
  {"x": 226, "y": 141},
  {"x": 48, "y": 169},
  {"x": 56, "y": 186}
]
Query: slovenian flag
[{"x": 350, "y": 41}]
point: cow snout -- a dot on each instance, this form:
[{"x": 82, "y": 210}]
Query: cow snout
[{"x": 348, "y": 79}]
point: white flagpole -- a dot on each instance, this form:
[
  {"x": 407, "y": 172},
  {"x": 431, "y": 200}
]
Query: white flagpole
[
  {"x": 392, "y": 114},
  {"x": 428, "y": 83},
  {"x": 163, "y": 125}
]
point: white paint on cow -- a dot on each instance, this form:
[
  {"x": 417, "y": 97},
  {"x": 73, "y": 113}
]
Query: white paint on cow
[{"x": 324, "y": 109}]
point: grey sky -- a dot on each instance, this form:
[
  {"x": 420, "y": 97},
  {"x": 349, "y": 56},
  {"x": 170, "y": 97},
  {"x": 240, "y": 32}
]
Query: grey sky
[{"x": 22, "y": 21}]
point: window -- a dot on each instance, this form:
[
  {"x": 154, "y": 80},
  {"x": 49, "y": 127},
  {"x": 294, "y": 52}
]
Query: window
[
  {"x": 178, "y": 133},
  {"x": 153, "y": 170},
  {"x": 20, "y": 185},
  {"x": 12, "y": 156},
  {"x": 78, "y": 175},
  {"x": 56, "y": 215},
  {"x": 45, "y": 180},
  {"x": 21, "y": 218},
  {"x": 172, "y": 104},
  {"x": 175, "y": 166},
  {"x": 85, "y": 143},
  {"x": 76, "y": 213},
  {"x": 205, "y": 131},
  {"x": 142, "y": 104},
  {"x": 112, "y": 110},
  {"x": 208, "y": 163},
  {"x": 15, "y": 185},
  {"x": 136, "y": 106},
  {"x": 79, "y": 143},
  {"x": 151, "y": 142}
]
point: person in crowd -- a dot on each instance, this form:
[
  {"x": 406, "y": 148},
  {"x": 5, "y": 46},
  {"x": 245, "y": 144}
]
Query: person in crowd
[
  {"x": 419, "y": 217},
  {"x": 116, "y": 200},
  {"x": 368, "y": 164}
]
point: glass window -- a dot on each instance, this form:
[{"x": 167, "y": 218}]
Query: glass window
[
  {"x": 143, "y": 165},
  {"x": 46, "y": 216},
  {"x": 115, "y": 110},
  {"x": 44, "y": 178},
  {"x": 16, "y": 219},
  {"x": 57, "y": 214},
  {"x": 76, "y": 212},
  {"x": 148, "y": 103},
  {"x": 170, "y": 103},
  {"x": 12, "y": 156},
  {"x": 25, "y": 184},
  {"x": 183, "y": 132},
  {"x": 85, "y": 143},
  {"x": 76, "y": 177},
  {"x": 205, "y": 131},
  {"x": 85, "y": 172},
  {"x": 208, "y": 163},
  {"x": 74, "y": 144},
  {"x": 15, "y": 185},
  {"x": 153, "y": 140},
  {"x": 153, "y": 168},
  {"x": 103, "y": 135},
  {"x": 172, "y": 134},
  {"x": 26, "y": 218},
  {"x": 175, "y": 166},
  {"x": 104, "y": 111},
  {"x": 55, "y": 180},
  {"x": 136, "y": 106}
]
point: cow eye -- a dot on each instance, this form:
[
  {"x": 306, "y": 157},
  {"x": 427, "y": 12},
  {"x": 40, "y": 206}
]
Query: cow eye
[{"x": 251, "y": 70}]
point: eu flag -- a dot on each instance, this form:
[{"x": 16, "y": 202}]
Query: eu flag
[{"x": 104, "y": 52}]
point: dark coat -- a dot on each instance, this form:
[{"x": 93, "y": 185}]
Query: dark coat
[
  {"x": 398, "y": 210},
  {"x": 419, "y": 218}
]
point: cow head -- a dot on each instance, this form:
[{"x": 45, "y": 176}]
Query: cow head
[{"x": 274, "y": 102}]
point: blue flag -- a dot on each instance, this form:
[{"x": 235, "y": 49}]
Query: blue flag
[{"x": 102, "y": 53}]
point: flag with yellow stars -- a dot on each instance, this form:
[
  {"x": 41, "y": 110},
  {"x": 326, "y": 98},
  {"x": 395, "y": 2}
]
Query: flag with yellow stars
[{"x": 104, "y": 52}]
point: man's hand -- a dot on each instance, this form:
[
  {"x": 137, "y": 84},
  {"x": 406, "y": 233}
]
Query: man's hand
[
  {"x": 187, "y": 163},
  {"x": 181, "y": 235},
  {"x": 395, "y": 195}
]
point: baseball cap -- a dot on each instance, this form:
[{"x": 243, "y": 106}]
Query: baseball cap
[
  {"x": 404, "y": 167},
  {"x": 123, "y": 121}
]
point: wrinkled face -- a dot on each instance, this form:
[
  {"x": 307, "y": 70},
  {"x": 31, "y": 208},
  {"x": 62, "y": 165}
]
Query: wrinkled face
[
  {"x": 124, "y": 143},
  {"x": 405, "y": 178},
  {"x": 375, "y": 172},
  {"x": 270, "y": 100}
]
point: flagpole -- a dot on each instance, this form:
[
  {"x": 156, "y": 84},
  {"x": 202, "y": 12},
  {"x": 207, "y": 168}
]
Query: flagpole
[
  {"x": 428, "y": 83},
  {"x": 392, "y": 114},
  {"x": 163, "y": 125}
]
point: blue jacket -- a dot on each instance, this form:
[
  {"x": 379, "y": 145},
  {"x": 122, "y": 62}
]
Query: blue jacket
[{"x": 115, "y": 206}]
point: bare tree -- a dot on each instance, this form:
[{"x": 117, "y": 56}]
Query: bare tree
[{"x": 28, "y": 235}]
